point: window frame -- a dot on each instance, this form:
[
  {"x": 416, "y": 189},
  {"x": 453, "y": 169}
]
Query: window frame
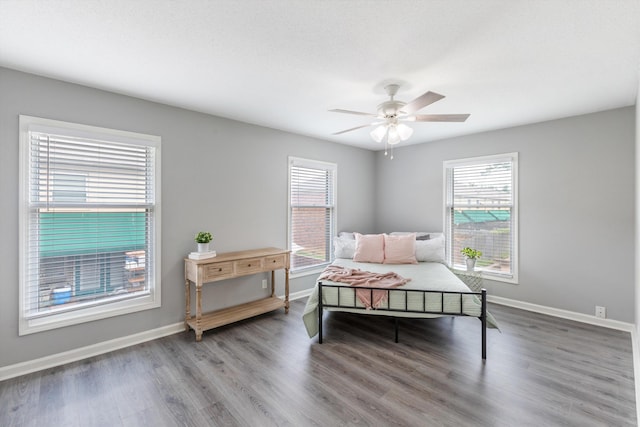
[
  {"x": 29, "y": 323},
  {"x": 495, "y": 158},
  {"x": 321, "y": 165}
]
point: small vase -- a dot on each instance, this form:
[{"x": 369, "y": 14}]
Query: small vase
[
  {"x": 203, "y": 247},
  {"x": 471, "y": 264}
]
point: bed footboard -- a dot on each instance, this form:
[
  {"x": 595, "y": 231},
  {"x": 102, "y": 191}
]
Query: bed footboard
[{"x": 352, "y": 305}]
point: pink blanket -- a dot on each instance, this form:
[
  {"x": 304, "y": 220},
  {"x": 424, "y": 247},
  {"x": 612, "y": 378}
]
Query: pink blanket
[{"x": 357, "y": 277}]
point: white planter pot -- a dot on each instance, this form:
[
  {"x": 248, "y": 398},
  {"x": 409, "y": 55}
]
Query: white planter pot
[
  {"x": 203, "y": 247},
  {"x": 471, "y": 264}
]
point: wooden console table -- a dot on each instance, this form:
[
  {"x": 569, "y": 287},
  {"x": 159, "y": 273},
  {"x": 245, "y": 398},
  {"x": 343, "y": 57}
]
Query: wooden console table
[{"x": 227, "y": 266}]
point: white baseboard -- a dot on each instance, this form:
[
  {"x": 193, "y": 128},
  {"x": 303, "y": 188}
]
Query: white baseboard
[
  {"x": 58, "y": 359},
  {"x": 564, "y": 314},
  {"x": 299, "y": 295}
]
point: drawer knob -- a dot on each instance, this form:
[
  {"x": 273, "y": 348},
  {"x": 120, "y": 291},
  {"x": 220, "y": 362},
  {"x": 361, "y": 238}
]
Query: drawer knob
[
  {"x": 249, "y": 265},
  {"x": 219, "y": 269},
  {"x": 274, "y": 261}
]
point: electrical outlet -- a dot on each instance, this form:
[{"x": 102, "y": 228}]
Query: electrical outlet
[
  {"x": 264, "y": 283},
  {"x": 601, "y": 312}
]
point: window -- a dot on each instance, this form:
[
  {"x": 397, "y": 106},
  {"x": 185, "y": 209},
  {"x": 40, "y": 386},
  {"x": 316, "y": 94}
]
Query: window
[
  {"x": 312, "y": 212},
  {"x": 481, "y": 213},
  {"x": 89, "y": 223}
]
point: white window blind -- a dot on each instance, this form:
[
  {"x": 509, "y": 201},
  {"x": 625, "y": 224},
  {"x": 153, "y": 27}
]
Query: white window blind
[
  {"x": 311, "y": 212},
  {"x": 90, "y": 231},
  {"x": 481, "y": 213}
]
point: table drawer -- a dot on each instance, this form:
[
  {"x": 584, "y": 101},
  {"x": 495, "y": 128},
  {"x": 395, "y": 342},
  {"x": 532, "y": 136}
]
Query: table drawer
[
  {"x": 249, "y": 265},
  {"x": 274, "y": 262},
  {"x": 217, "y": 271}
]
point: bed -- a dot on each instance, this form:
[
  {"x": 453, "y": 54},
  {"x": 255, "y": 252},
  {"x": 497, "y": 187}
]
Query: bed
[{"x": 432, "y": 291}]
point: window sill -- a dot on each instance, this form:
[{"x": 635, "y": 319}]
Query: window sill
[
  {"x": 311, "y": 272},
  {"x": 496, "y": 278},
  {"x": 74, "y": 317},
  {"x": 487, "y": 275}
]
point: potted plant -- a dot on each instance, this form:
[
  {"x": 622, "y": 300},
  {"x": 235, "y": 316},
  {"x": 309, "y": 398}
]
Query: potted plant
[
  {"x": 472, "y": 255},
  {"x": 203, "y": 238}
]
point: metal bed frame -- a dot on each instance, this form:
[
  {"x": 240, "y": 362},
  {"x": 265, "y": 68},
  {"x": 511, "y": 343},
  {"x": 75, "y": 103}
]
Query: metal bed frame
[{"x": 482, "y": 295}]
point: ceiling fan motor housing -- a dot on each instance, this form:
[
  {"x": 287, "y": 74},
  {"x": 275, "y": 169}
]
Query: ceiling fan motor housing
[{"x": 390, "y": 109}]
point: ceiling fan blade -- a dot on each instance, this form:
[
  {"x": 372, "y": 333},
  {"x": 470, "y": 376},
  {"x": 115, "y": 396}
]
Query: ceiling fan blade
[
  {"x": 439, "y": 117},
  {"x": 422, "y": 101},
  {"x": 355, "y": 128},
  {"x": 338, "y": 110}
]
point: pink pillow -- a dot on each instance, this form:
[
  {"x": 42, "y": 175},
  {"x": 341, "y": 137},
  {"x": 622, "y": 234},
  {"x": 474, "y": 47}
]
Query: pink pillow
[
  {"x": 369, "y": 248},
  {"x": 400, "y": 249}
]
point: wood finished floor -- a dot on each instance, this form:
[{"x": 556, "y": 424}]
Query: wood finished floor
[{"x": 540, "y": 371}]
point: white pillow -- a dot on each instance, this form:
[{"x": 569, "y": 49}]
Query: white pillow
[
  {"x": 404, "y": 233},
  {"x": 417, "y": 233},
  {"x": 431, "y": 250},
  {"x": 344, "y": 247},
  {"x": 347, "y": 235}
]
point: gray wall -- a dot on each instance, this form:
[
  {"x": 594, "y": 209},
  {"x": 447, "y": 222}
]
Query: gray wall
[
  {"x": 219, "y": 175},
  {"x": 576, "y": 206}
]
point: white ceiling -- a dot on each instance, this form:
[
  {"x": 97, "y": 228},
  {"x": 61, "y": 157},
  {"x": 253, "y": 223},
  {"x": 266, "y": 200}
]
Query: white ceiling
[{"x": 285, "y": 63}]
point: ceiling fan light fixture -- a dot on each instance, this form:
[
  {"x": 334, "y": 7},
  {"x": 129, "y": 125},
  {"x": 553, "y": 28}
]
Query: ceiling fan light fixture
[
  {"x": 378, "y": 133},
  {"x": 393, "y": 136},
  {"x": 404, "y": 131}
]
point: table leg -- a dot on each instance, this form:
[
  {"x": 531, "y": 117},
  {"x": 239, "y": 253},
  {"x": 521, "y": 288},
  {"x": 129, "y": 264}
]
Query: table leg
[
  {"x": 187, "y": 297},
  {"x": 286, "y": 290},
  {"x": 273, "y": 283},
  {"x": 198, "y": 312}
]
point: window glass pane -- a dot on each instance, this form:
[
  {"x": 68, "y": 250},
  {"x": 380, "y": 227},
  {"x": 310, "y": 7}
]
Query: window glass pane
[
  {"x": 488, "y": 231},
  {"x": 311, "y": 236}
]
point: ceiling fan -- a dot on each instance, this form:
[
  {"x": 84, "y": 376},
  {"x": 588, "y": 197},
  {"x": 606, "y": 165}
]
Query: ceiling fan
[{"x": 392, "y": 113}]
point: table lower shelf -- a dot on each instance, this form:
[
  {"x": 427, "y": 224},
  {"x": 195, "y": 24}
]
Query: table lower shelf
[{"x": 225, "y": 316}]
